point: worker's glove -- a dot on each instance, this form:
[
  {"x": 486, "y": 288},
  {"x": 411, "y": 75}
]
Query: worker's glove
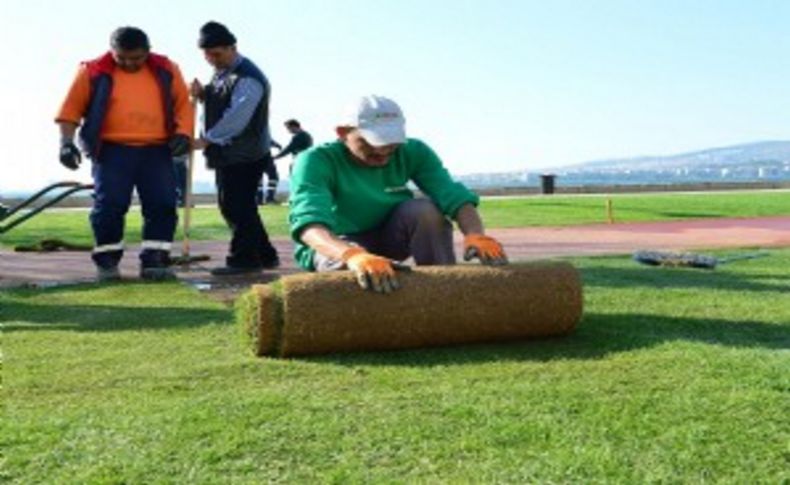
[
  {"x": 485, "y": 248},
  {"x": 70, "y": 156},
  {"x": 373, "y": 272},
  {"x": 179, "y": 145}
]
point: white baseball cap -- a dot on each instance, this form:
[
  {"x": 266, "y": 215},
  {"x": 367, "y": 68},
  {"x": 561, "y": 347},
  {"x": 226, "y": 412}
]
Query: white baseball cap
[{"x": 379, "y": 120}]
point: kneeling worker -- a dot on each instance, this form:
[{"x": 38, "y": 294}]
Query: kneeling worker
[{"x": 351, "y": 207}]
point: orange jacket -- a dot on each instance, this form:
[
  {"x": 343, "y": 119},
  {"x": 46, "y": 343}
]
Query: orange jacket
[{"x": 141, "y": 108}]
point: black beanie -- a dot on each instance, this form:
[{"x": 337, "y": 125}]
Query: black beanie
[{"x": 214, "y": 34}]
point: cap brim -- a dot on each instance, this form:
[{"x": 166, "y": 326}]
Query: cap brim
[{"x": 384, "y": 134}]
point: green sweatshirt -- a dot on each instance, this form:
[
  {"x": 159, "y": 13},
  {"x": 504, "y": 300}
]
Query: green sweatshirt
[{"x": 330, "y": 188}]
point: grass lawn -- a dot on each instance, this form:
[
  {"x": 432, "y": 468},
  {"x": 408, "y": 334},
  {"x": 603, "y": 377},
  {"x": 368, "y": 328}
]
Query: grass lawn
[
  {"x": 73, "y": 226},
  {"x": 674, "y": 375}
]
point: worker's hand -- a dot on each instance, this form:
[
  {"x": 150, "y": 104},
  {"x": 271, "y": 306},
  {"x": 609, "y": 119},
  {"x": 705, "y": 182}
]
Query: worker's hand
[
  {"x": 179, "y": 145},
  {"x": 200, "y": 144},
  {"x": 70, "y": 155},
  {"x": 196, "y": 90},
  {"x": 373, "y": 272},
  {"x": 485, "y": 248}
]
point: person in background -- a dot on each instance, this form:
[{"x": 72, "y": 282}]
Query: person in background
[
  {"x": 351, "y": 206},
  {"x": 300, "y": 141},
  {"x": 236, "y": 143},
  {"x": 133, "y": 113}
]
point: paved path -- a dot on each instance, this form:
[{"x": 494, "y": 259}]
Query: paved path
[{"x": 45, "y": 269}]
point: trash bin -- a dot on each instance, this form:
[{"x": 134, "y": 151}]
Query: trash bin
[{"x": 547, "y": 183}]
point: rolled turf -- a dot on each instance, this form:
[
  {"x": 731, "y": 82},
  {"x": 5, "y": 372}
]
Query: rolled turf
[{"x": 319, "y": 313}]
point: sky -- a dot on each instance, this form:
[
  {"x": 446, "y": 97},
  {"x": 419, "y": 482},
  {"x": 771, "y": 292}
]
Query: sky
[{"x": 491, "y": 85}]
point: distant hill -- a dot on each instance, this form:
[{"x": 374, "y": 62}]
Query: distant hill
[
  {"x": 767, "y": 161},
  {"x": 745, "y": 154}
]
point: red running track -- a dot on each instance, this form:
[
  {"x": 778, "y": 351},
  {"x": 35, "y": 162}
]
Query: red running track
[{"x": 44, "y": 269}]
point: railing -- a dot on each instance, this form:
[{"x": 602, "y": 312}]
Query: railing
[{"x": 72, "y": 187}]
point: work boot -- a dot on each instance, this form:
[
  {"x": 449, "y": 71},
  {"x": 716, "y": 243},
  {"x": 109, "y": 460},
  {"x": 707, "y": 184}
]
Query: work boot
[
  {"x": 157, "y": 273},
  {"x": 104, "y": 275}
]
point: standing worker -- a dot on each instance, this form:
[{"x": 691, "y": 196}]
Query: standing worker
[
  {"x": 352, "y": 208},
  {"x": 135, "y": 116},
  {"x": 236, "y": 143},
  {"x": 300, "y": 141}
]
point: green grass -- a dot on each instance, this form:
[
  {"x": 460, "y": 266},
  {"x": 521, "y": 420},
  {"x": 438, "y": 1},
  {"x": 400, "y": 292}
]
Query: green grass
[
  {"x": 572, "y": 210},
  {"x": 674, "y": 375},
  {"x": 73, "y": 226}
]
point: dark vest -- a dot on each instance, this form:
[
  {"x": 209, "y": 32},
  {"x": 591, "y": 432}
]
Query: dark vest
[
  {"x": 100, "y": 73},
  {"x": 252, "y": 144}
]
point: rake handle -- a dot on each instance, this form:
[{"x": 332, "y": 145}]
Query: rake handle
[{"x": 188, "y": 188}]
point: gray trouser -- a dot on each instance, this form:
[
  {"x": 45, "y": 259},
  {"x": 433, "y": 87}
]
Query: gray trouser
[{"x": 415, "y": 228}]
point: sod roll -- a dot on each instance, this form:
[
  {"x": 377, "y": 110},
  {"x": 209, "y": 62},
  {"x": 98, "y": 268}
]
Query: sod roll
[{"x": 318, "y": 313}]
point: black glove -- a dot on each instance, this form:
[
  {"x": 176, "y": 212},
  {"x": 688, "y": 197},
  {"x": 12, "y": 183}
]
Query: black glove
[
  {"x": 70, "y": 155},
  {"x": 179, "y": 145}
]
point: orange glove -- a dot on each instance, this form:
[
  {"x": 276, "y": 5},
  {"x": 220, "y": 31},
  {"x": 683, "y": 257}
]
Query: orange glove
[
  {"x": 372, "y": 272},
  {"x": 485, "y": 248}
]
